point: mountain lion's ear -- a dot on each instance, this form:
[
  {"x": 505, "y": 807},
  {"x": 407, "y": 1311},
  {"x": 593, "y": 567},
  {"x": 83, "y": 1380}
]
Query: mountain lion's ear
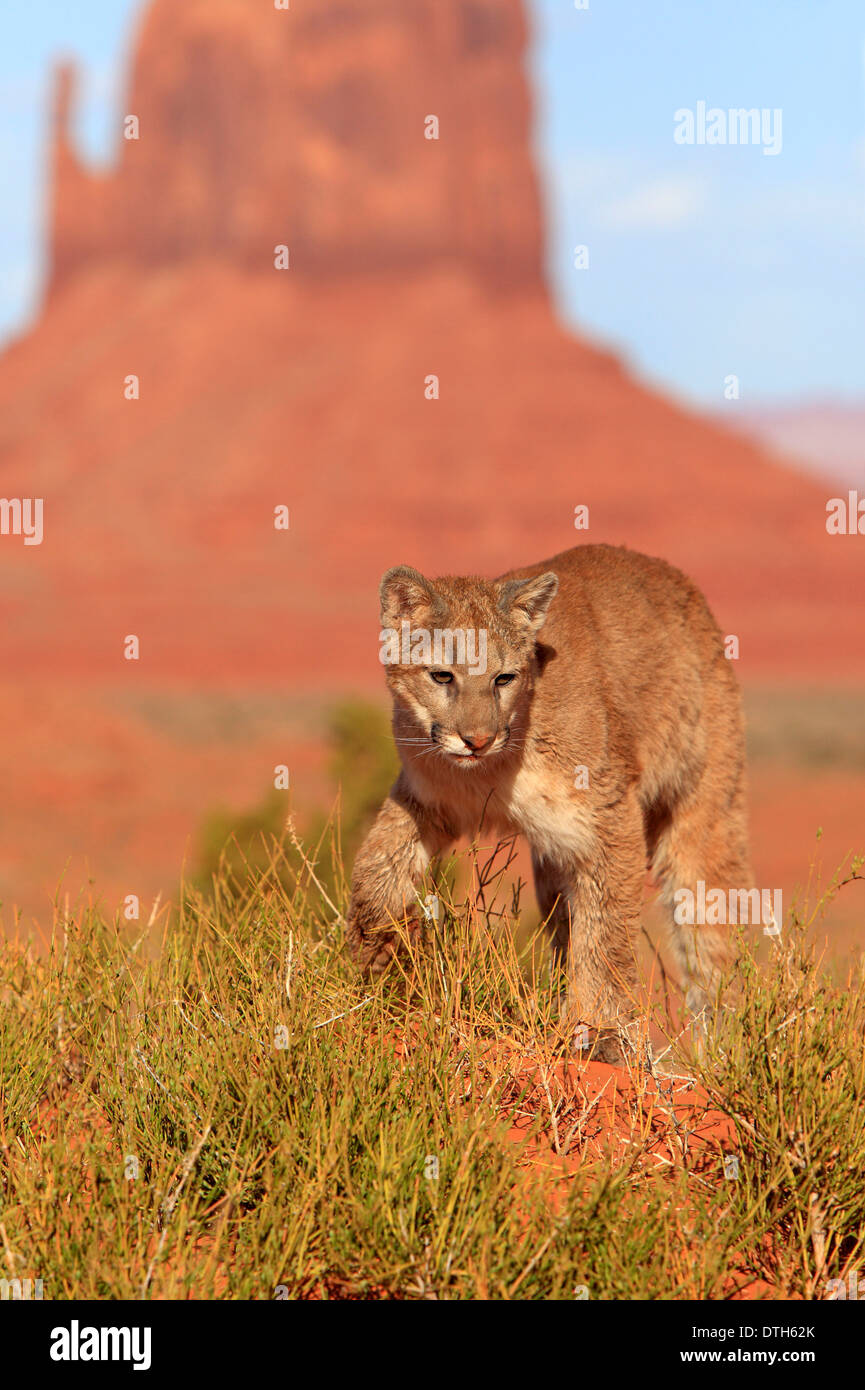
[
  {"x": 526, "y": 600},
  {"x": 406, "y": 594}
]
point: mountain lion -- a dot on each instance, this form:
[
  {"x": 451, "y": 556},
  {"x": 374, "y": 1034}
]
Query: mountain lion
[{"x": 586, "y": 704}]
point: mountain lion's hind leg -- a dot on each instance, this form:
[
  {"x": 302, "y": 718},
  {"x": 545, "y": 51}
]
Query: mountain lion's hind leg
[{"x": 705, "y": 842}]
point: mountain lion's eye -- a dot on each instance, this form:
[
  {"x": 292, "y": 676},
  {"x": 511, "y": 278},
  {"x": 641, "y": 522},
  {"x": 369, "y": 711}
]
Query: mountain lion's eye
[
  {"x": 504, "y": 679},
  {"x": 441, "y": 677}
]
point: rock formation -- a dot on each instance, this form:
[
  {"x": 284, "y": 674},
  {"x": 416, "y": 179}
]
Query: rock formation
[{"x": 309, "y": 128}]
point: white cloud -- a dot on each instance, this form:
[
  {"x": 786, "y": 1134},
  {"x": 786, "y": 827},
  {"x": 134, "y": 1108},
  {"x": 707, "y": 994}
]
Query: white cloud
[{"x": 662, "y": 204}]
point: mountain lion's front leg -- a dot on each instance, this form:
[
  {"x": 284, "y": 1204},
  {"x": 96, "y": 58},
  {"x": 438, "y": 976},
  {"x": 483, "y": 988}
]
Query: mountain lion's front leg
[
  {"x": 592, "y": 909},
  {"x": 388, "y": 872}
]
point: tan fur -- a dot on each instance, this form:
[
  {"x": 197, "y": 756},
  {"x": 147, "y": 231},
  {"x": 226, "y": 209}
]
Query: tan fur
[{"x": 620, "y": 669}]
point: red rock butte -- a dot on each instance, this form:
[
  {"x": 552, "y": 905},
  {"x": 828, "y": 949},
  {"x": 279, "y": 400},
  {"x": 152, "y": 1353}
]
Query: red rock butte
[
  {"x": 409, "y": 258},
  {"x": 305, "y": 128}
]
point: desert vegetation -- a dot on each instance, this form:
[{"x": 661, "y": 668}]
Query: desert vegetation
[{"x": 214, "y": 1105}]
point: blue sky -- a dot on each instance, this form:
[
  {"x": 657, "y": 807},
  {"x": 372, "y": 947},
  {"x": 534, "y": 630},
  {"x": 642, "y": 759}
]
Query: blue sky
[{"x": 704, "y": 260}]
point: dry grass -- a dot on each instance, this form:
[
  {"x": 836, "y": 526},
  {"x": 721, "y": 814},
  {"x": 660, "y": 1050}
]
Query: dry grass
[{"x": 217, "y": 1107}]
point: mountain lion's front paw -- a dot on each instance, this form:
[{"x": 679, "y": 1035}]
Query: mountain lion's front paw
[
  {"x": 373, "y": 951},
  {"x": 618, "y": 1047}
]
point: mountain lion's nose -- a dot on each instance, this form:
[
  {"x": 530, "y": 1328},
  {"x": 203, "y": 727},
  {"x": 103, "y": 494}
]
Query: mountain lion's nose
[{"x": 477, "y": 742}]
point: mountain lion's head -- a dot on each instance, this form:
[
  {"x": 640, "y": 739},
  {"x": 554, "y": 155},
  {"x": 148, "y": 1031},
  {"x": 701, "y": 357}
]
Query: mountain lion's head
[{"x": 459, "y": 657}]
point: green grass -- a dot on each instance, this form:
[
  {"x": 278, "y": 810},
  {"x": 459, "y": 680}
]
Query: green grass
[{"x": 220, "y": 1108}]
